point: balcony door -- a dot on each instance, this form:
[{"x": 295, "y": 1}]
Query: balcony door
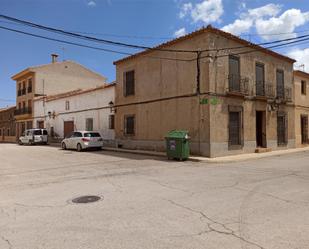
[
  {"x": 280, "y": 84},
  {"x": 234, "y": 74},
  {"x": 260, "y": 79}
]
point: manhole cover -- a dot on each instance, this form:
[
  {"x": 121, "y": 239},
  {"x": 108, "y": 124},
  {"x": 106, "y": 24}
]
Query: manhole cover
[{"x": 86, "y": 199}]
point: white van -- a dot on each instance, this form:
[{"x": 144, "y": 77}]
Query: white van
[{"x": 34, "y": 136}]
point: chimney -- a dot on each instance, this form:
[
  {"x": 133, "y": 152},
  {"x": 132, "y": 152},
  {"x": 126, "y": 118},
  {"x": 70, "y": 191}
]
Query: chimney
[{"x": 54, "y": 58}]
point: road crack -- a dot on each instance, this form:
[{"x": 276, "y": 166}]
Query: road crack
[{"x": 214, "y": 226}]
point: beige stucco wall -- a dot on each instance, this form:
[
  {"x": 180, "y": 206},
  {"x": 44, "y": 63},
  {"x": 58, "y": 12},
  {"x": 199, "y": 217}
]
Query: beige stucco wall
[
  {"x": 301, "y": 105},
  {"x": 65, "y": 76},
  {"x": 207, "y": 124}
]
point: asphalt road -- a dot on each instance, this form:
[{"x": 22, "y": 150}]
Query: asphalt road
[{"x": 150, "y": 202}]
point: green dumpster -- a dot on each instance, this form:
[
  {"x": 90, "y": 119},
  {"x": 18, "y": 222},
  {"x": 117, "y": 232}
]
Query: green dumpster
[{"x": 177, "y": 145}]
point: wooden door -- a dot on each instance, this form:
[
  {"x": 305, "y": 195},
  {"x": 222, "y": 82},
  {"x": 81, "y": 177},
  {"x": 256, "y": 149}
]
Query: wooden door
[{"x": 68, "y": 127}]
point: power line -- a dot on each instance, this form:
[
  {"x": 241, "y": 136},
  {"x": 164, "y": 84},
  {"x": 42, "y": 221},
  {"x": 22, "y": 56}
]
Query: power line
[
  {"x": 104, "y": 34},
  {"x": 85, "y": 46},
  {"x": 62, "y": 41},
  {"x": 60, "y": 31},
  {"x": 79, "y": 36}
]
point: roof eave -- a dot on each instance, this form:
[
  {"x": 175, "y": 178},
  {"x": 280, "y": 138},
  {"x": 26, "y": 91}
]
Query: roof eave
[{"x": 22, "y": 73}]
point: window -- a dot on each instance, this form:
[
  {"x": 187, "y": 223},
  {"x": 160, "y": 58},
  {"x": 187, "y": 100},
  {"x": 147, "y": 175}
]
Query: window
[
  {"x": 259, "y": 78},
  {"x": 29, "y": 85},
  {"x": 280, "y": 83},
  {"x": 92, "y": 134},
  {"x": 129, "y": 125},
  {"x": 282, "y": 132},
  {"x": 234, "y": 74},
  {"x": 67, "y": 105},
  {"x": 111, "y": 122},
  {"x": 23, "y": 91},
  {"x": 235, "y": 127},
  {"x": 129, "y": 83},
  {"x": 77, "y": 134},
  {"x": 29, "y": 106},
  {"x": 303, "y": 87},
  {"x": 89, "y": 124}
]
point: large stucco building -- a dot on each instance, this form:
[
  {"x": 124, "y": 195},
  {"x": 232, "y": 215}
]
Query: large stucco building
[
  {"x": 301, "y": 100},
  {"x": 7, "y": 124},
  {"x": 49, "y": 79},
  {"x": 88, "y": 109},
  {"x": 235, "y": 98}
]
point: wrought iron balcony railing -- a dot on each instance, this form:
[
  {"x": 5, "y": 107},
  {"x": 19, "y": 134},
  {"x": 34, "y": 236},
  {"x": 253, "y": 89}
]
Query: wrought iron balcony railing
[
  {"x": 260, "y": 88},
  {"x": 22, "y": 111},
  {"x": 238, "y": 84},
  {"x": 284, "y": 93}
]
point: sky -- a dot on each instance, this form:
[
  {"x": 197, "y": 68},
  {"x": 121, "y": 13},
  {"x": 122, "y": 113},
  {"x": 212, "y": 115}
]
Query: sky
[{"x": 142, "y": 22}]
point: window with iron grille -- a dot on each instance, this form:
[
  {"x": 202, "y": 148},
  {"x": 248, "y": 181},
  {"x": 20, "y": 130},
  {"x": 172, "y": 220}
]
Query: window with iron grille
[
  {"x": 234, "y": 74},
  {"x": 129, "y": 125},
  {"x": 235, "y": 127},
  {"x": 111, "y": 122},
  {"x": 129, "y": 83},
  {"x": 260, "y": 79},
  {"x": 282, "y": 132},
  {"x": 89, "y": 124},
  {"x": 303, "y": 87},
  {"x": 280, "y": 83}
]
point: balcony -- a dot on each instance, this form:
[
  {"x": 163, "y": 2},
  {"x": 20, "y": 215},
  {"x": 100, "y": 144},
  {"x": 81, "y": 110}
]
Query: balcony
[
  {"x": 23, "y": 91},
  {"x": 23, "y": 111},
  {"x": 284, "y": 94},
  {"x": 19, "y": 93},
  {"x": 264, "y": 90},
  {"x": 238, "y": 85},
  {"x": 29, "y": 89}
]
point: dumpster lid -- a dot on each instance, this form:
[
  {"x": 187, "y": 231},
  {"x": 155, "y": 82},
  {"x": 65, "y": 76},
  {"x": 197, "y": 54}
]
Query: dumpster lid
[{"x": 177, "y": 134}]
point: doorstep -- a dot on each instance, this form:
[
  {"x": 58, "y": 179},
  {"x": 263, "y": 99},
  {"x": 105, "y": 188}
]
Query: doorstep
[{"x": 225, "y": 159}]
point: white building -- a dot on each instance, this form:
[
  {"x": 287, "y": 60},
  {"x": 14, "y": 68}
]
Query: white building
[{"x": 88, "y": 109}]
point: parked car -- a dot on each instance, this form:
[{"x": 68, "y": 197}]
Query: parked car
[
  {"x": 81, "y": 140},
  {"x": 34, "y": 136}
]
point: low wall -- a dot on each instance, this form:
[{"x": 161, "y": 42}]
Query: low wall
[{"x": 8, "y": 139}]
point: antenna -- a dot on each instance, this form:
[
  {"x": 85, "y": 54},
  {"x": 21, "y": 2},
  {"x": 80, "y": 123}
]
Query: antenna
[{"x": 63, "y": 53}]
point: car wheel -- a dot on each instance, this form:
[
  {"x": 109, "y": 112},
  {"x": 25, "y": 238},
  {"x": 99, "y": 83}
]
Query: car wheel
[
  {"x": 99, "y": 148},
  {"x": 20, "y": 142},
  {"x": 31, "y": 142},
  {"x": 79, "y": 148},
  {"x": 63, "y": 146}
]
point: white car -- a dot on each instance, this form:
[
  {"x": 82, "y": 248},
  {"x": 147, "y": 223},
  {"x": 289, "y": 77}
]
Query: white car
[
  {"x": 80, "y": 140},
  {"x": 34, "y": 136}
]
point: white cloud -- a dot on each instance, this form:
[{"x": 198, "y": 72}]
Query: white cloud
[
  {"x": 92, "y": 4},
  {"x": 266, "y": 20},
  {"x": 301, "y": 56},
  {"x": 285, "y": 23},
  {"x": 264, "y": 11},
  {"x": 206, "y": 11},
  {"x": 238, "y": 26},
  {"x": 180, "y": 32},
  {"x": 185, "y": 9},
  {"x": 249, "y": 17}
]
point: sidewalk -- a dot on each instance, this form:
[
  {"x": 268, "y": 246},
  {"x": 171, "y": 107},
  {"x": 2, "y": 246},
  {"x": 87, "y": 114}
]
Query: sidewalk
[{"x": 226, "y": 159}]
